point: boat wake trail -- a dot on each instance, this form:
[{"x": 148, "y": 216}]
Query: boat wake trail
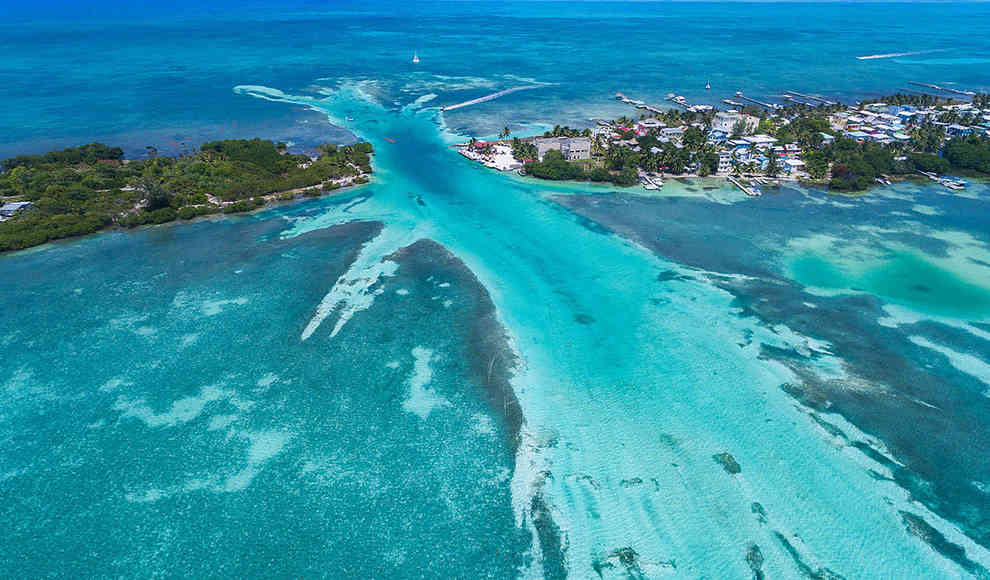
[{"x": 896, "y": 54}]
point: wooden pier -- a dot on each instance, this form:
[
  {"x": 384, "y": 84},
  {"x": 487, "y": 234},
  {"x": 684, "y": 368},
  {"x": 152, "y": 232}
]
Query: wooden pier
[
  {"x": 754, "y": 101},
  {"x": 793, "y": 99},
  {"x": 747, "y": 190},
  {"x": 812, "y": 97}
]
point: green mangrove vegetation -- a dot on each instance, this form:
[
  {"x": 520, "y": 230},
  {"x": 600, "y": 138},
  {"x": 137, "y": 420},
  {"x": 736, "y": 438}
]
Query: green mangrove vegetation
[{"x": 80, "y": 190}]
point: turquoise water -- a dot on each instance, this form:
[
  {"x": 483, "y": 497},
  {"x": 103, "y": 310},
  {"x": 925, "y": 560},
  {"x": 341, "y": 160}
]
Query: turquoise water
[
  {"x": 902, "y": 278},
  {"x": 629, "y": 386},
  {"x": 313, "y": 390}
]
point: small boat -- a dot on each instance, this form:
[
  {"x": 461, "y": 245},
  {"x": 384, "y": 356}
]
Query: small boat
[
  {"x": 954, "y": 184},
  {"x": 415, "y": 58},
  {"x": 349, "y": 118},
  {"x": 390, "y": 140},
  {"x": 708, "y": 86}
]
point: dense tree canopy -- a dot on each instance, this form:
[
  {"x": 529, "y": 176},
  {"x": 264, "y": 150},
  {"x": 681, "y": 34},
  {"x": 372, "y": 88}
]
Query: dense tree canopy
[
  {"x": 80, "y": 190},
  {"x": 970, "y": 152},
  {"x": 555, "y": 167}
]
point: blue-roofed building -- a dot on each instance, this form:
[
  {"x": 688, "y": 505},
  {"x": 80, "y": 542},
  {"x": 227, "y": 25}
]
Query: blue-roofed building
[
  {"x": 717, "y": 137},
  {"x": 957, "y": 130},
  {"x": 9, "y": 210}
]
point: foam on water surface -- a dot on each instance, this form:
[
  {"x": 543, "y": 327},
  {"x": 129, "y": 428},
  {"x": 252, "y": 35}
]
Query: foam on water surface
[
  {"x": 422, "y": 400},
  {"x": 356, "y": 289},
  {"x": 966, "y": 363}
]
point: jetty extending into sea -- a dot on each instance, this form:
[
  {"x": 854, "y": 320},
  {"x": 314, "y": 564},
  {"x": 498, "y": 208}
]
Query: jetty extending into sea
[
  {"x": 750, "y": 191},
  {"x": 770, "y": 106},
  {"x": 811, "y": 97}
]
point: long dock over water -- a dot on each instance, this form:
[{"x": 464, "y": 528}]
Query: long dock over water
[
  {"x": 812, "y": 97},
  {"x": 760, "y": 103},
  {"x": 747, "y": 190},
  {"x": 490, "y": 97}
]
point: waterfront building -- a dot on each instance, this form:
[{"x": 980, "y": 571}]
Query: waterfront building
[
  {"x": 573, "y": 148},
  {"x": 724, "y": 162},
  {"x": 792, "y": 166},
  {"x": 726, "y": 122}
]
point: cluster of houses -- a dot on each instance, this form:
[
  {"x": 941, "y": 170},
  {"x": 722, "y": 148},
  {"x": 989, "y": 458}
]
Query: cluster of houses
[
  {"x": 755, "y": 152},
  {"x": 627, "y": 135},
  {"x": 888, "y": 124},
  {"x": 733, "y": 134}
]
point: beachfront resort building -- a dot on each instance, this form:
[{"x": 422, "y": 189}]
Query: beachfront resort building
[
  {"x": 726, "y": 122},
  {"x": 573, "y": 148}
]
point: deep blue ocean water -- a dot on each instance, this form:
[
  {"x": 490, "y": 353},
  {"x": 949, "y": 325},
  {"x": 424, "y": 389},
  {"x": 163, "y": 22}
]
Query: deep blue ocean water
[
  {"x": 146, "y": 73},
  {"x": 561, "y": 382}
]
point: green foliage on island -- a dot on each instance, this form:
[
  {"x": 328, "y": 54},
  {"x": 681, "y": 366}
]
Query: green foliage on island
[
  {"x": 806, "y": 132},
  {"x": 90, "y": 154},
  {"x": 523, "y": 149},
  {"x": 855, "y": 166},
  {"x": 81, "y": 190},
  {"x": 555, "y": 167},
  {"x": 970, "y": 152},
  {"x": 566, "y": 131},
  {"x": 707, "y": 163}
]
